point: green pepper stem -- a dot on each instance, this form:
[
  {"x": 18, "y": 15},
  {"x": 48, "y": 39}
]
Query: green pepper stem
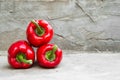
[
  {"x": 39, "y": 29},
  {"x": 50, "y": 55},
  {"x": 54, "y": 49},
  {"x": 21, "y": 58}
]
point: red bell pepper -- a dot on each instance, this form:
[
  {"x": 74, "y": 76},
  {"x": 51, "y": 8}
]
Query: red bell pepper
[
  {"x": 21, "y": 55},
  {"x": 39, "y": 32},
  {"x": 49, "y": 55}
]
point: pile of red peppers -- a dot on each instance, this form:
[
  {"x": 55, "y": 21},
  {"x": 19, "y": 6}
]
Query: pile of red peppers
[{"x": 39, "y": 33}]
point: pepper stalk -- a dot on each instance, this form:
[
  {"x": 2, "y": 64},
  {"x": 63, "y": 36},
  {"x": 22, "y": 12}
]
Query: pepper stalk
[
  {"x": 50, "y": 55},
  {"x": 22, "y": 58},
  {"x": 39, "y": 30}
]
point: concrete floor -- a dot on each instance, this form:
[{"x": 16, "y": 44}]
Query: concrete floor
[{"x": 74, "y": 66}]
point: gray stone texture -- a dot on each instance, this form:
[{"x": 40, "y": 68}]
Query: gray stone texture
[{"x": 86, "y": 25}]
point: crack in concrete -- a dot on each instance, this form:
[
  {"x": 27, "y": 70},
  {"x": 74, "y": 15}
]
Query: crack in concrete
[
  {"x": 68, "y": 40},
  {"x": 59, "y": 35},
  {"x": 68, "y": 17},
  {"x": 62, "y": 35},
  {"x": 57, "y": 17},
  {"x": 78, "y": 4},
  {"x": 90, "y": 34},
  {"x": 103, "y": 39}
]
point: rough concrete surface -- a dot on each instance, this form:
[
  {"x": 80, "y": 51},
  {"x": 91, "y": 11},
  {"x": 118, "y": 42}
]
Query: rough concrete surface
[
  {"x": 74, "y": 66},
  {"x": 87, "y": 25}
]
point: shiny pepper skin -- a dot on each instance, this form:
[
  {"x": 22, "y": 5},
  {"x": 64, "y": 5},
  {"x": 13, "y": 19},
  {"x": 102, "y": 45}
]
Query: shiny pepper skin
[
  {"x": 21, "y": 55},
  {"x": 39, "y": 32},
  {"x": 49, "y": 56}
]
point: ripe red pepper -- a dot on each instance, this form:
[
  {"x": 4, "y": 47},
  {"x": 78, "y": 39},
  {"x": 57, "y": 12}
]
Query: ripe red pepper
[
  {"x": 49, "y": 55},
  {"x": 21, "y": 55},
  {"x": 39, "y": 32}
]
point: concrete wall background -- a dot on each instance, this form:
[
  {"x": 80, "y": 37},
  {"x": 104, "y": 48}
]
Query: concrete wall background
[{"x": 86, "y": 25}]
